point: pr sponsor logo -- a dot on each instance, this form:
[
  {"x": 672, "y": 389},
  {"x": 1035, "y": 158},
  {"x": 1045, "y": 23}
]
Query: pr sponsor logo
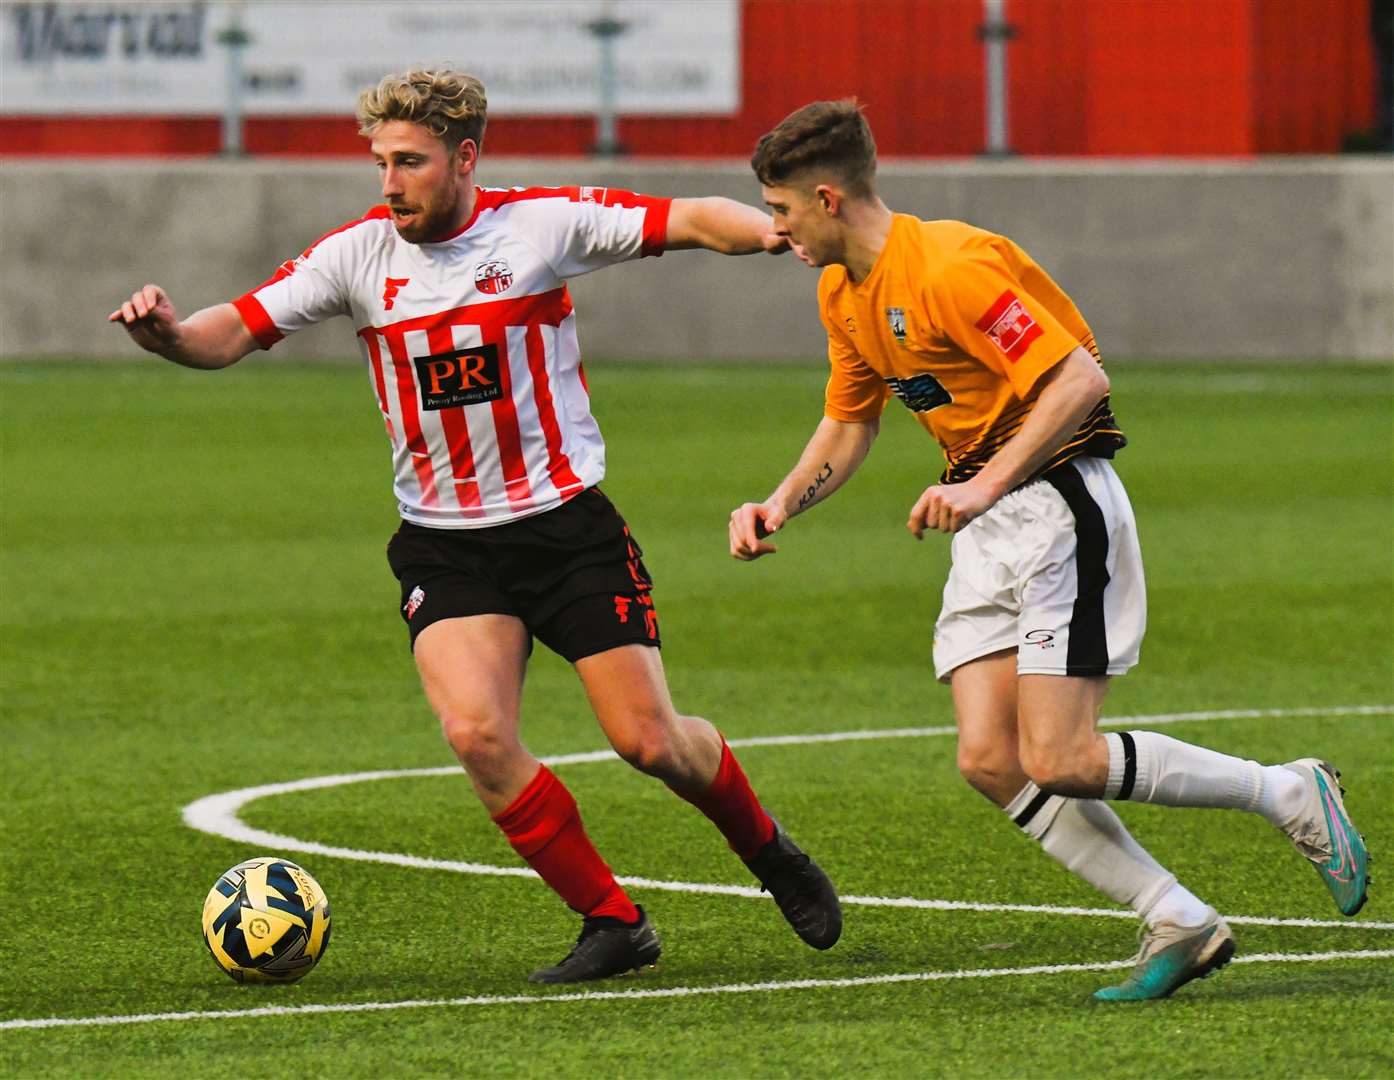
[{"x": 459, "y": 377}]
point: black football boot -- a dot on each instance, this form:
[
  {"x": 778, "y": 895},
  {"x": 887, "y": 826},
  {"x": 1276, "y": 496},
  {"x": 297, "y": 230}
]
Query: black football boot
[
  {"x": 607, "y": 946},
  {"x": 800, "y": 888}
]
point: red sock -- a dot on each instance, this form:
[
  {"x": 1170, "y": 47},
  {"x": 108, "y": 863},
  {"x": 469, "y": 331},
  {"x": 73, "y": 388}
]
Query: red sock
[
  {"x": 733, "y": 807},
  {"x": 545, "y": 828}
]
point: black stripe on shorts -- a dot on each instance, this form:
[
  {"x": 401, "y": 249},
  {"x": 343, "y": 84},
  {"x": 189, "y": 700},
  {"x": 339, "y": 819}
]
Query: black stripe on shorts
[{"x": 1088, "y": 650}]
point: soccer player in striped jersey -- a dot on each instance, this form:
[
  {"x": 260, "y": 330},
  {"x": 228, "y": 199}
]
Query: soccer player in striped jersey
[
  {"x": 1045, "y": 598},
  {"x": 459, "y": 301}
]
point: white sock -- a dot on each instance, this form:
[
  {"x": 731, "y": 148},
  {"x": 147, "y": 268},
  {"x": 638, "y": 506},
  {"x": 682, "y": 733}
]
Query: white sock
[
  {"x": 1180, "y": 906},
  {"x": 1089, "y": 840},
  {"x": 1147, "y": 767}
]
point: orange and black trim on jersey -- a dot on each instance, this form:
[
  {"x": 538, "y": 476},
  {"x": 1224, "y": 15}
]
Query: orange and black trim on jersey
[{"x": 1098, "y": 436}]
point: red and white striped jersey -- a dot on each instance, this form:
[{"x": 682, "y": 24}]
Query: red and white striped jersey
[{"x": 471, "y": 342}]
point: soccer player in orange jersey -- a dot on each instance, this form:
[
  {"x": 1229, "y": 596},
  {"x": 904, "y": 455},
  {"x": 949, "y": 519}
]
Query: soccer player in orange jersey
[{"x": 1045, "y": 598}]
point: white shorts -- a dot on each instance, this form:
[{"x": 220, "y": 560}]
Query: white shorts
[{"x": 1053, "y": 571}]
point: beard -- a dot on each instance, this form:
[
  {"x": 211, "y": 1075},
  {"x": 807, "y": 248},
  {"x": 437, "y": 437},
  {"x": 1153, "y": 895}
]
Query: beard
[{"x": 426, "y": 223}]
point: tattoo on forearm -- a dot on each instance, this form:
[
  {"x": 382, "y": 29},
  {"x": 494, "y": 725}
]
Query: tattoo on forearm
[{"x": 824, "y": 475}]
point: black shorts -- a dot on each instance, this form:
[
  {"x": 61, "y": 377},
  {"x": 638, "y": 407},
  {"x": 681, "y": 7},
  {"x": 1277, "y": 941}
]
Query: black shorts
[{"x": 574, "y": 576}]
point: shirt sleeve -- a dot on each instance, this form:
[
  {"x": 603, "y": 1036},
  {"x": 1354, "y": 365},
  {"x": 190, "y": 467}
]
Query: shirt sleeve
[
  {"x": 596, "y": 227},
  {"x": 988, "y": 314},
  {"x": 303, "y": 291},
  {"x": 855, "y": 393}
]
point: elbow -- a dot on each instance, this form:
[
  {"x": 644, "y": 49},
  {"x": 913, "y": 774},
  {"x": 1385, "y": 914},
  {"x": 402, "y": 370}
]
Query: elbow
[
  {"x": 1100, "y": 382},
  {"x": 1089, "y": 376}
]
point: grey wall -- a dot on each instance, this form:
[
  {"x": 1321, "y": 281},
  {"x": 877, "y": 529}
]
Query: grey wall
[{"x": 1270, "y": 259}]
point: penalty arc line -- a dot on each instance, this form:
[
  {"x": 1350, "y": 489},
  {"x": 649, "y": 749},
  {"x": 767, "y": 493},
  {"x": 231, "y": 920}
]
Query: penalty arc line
[
  {"x": 657, "y": 993},
  {"x": 217, "y": 815}
]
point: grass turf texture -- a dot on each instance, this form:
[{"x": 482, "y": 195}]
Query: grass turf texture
[{"x": 196, "y": 600}]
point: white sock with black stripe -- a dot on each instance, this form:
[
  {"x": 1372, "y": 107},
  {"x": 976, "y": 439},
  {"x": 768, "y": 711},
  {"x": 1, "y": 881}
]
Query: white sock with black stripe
[
  {"x": 1089, "y": 840},
  {"x": 1146, "y": 767}
]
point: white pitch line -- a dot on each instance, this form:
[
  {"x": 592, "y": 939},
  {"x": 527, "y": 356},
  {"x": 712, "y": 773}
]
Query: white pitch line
[
  {"x": 664, "y": 992},
  {"x": 217, "y": 814}
]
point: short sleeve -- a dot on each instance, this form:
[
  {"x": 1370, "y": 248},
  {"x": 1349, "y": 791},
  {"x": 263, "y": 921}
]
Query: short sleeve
[
  {"x": 855, "y": 393},
  {"x": 303, "y": 291},
  {"x": 987, "y": 313},
  {"x": 582, "y": 229}
]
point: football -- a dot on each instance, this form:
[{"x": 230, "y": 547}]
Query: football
[{"x": 267, "y": 921}]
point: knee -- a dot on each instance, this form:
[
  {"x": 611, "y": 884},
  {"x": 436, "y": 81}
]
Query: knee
[
  {"x": 477, "y": 740},
  {"x": 1052, "y": 768},
  {"x": 648, "y": 742},
  {"x": 990, "y": 769}
]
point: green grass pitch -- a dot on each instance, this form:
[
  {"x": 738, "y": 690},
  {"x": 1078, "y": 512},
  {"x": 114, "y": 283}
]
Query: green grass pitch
[{"x": 196, "y": 600}]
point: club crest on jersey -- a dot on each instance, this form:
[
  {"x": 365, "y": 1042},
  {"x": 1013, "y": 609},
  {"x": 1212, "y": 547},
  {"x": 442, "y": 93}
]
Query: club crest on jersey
[
  {"x": 458, "y": 377},
  {"x": 493, "y": 277},
  {"x": 1009, "y": 326},
  {"x": 591, "y": 194},
  {"x": 414, "y": 601},
  {"x": 896, "y": 317}
]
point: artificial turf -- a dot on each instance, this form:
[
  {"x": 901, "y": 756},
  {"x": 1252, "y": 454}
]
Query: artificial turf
[{"x": 196, "y": 600}]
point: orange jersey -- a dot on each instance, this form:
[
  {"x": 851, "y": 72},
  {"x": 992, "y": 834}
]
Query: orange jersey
[{"x": 960, "y": 324}]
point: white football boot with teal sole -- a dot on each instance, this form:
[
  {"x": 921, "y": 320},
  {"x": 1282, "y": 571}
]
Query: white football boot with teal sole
[
  {"x": 1324, "y": 833},
  {"x": 1171, "y": 956}
]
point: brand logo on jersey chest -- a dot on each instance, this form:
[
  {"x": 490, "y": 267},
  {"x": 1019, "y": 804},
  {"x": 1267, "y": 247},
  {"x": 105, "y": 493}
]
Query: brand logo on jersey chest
[
  {"x": 390, "y": 288},
  {"x": 493, "y": 277},
  {"x": 459, "y": 377}
]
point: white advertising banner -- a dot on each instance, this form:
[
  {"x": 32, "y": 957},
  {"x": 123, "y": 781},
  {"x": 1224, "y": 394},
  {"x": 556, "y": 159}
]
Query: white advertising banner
[{"x": 671, "y": 56}]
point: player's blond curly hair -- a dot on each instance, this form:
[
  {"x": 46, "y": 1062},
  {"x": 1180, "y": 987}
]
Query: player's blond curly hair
[{"x": 449, "y": 104}]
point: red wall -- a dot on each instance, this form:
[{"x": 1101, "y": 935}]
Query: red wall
[{"x": 1092, "y": 77}]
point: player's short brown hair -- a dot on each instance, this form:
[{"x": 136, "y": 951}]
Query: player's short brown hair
[
  {"x": 825, "y": 135},
  {"x": 449, "y": 104}
]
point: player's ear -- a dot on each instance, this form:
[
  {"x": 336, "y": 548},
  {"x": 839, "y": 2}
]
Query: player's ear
[
  {"x": 467, "y": 154},
  {"x": 829, "y": 199}
]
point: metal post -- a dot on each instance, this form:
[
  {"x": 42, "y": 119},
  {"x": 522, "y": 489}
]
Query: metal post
[
  {"x": 995, "y": 32},
  {"x": 606, "y": 28},
  {"x": 235, "y": 39}
]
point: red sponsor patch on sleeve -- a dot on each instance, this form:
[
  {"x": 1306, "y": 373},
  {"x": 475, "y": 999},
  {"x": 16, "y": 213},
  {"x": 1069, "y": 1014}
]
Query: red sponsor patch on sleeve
[{"x": 1009, "y": 326}]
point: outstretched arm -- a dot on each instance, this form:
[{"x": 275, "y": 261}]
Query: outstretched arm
[
  {"x": 834, "y": 453},
  {"x": 212, "y": 338},
  {"x": 723, "y": 225},
  {"x": 1070, "y": 390}
]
